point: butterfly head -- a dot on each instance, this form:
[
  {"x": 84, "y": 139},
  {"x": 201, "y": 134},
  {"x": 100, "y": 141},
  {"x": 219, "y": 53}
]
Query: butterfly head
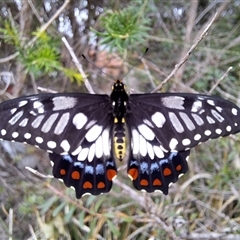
[{"x": 118, "y": 86}]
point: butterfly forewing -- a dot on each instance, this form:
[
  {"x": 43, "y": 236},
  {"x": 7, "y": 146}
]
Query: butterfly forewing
[
  {"x": 180, "y": 121},
  {"x": 55, "y": 122}
]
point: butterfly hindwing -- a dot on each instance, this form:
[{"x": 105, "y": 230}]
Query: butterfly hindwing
[
  {"x": 93, "y": 177},
  {"x": 151, "y": 173}
]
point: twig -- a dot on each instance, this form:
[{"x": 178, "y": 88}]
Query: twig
[
  {"x": 42, "y": 29},
  {"x": 185, "y": 58},
  {"x": 46, "y": 25},
  {"x": 10, "y": 224},
  {"x": 38, "y": 173},
  {"x": 40, "y": 19},
  {"x": 148, "y": 73},
  {"x": 152, "y": 209},
  {"x": 48, "y": 90},
  {"x": 78, "y": 65},
  {"x": 8, "y": 81},
  {"x": 33, "y": 235},
  {"x": 34, "y": 85},
  {"x": 220, "y": 80}
]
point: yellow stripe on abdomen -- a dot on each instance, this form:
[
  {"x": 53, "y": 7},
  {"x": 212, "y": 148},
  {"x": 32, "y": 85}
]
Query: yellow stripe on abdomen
[{"x": 119, "y": 140}]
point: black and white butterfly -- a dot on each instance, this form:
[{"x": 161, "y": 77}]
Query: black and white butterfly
[{"x": 85, "y": 133}]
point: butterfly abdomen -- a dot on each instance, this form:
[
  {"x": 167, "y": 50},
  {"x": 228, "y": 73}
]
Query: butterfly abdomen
[{"x": 119, "y": 139}]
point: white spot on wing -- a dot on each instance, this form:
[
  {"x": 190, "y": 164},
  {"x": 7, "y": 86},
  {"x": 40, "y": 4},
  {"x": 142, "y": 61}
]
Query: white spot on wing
[
  {"x": 198, "y": 119},
  {"x": 143, "y": 146},
  {"x": 77, "y": 151},
  {"x": 39, "y": 140},
  {"x": 65, "y": 145},
  {"x": 37, "y": 104},
  {"x": 106, "y": 142},
  {"x": 99, "y": 147},
  {"x": 218, "y": 131},
  {"x": 175, "y": 122},
  {"x": 135, "y": 141},
  {"x": 15, "y": 134},
  {"x": 174, "y": 102},
  {"x": 49, "y": 122},
  {"x": 24, "y": 122},
  {"x": 12, "y": 111},
  {"x": 83, "y": 154},
  {"x": 188, "y": 122},
  {"x": 211, "y": 102},
  {"x": 210, "y": 120},
  {"x": 39, "y": 107},
  {"x": 186, "y": 142},
  {"x": 173, "y": 143},
  {"x": 79, "y": 120},
  {"x": 219, "y": 108},
  {"x": 36, "y": 123},
  {"x": 146, "y": 132},
  {"x": 197, "y": 137},
  {"x": 158, "y": 119},
  {"x": 150, "y": 150},
  {"x": 3, "y": 132},
  {"x": 93, "y": 133},
  {"x": 16, "y": 117},
  {"x": 229, "y": 128},
  {"x": 197, "y": 105},
  {"x": 234, "y": 111},
  {"x": 147, "y": 122},
  {"x": 51, "y": 144},
  {"x": 158, "y": 151},
  {"x": 22, "y": 103},
  {"x": 62, "y": 123},
  {"x": 91, "y": 153},
  {"x": 27, "y": 135},
  {"x": 217, "y": 115},
  {"x": 63, "y": 103},
  {"x": 207, "y": 132},
  {"x": 90, "y": 124}
]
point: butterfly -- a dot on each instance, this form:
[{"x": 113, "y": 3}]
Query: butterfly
[{"x": 85, "y": 134}]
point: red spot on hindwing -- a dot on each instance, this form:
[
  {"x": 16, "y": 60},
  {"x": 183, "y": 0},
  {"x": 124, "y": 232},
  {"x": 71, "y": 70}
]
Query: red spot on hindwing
[
  {"x": 157, "y": 182},
  {"x": 75, "y": 175},
  {"x": 178, "y": 168},
  {"x": 111, "y": 174},
  {"x": 167, "y": 172},
  {"x": 144, "y": 182},
  {"x": 63, "y": 172},
  {"x": 101, "y": 185},
  {"x": 87, "y": 185},
  {"x": 133, "y": 172}
]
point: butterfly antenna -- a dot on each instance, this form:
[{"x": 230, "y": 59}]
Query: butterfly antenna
[
  {"x": 139, "y": 60},
  {"x": 90, "y": 62}
]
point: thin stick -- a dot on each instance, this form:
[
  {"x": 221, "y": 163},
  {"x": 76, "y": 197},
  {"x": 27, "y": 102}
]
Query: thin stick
[
  {"x": 42, "y": 29},
  {"x": 38, "y": 173},
  {"x": 10, "y": 224},
  {"x": 185, "y": 58},
  {"x": 220, "y": 80},
  {"x": 78, "y": 65}
]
